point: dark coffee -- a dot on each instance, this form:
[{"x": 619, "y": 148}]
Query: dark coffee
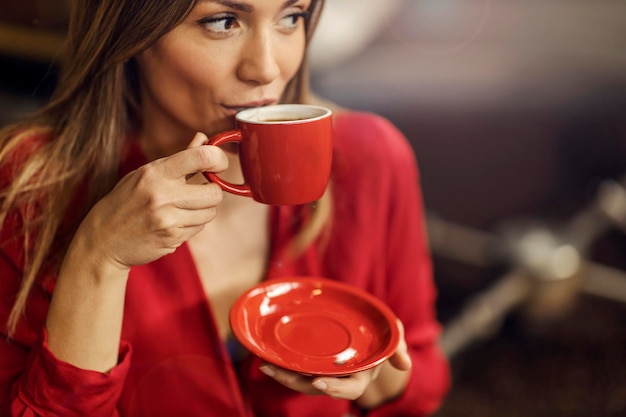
[{"x": 283, "y": 120}]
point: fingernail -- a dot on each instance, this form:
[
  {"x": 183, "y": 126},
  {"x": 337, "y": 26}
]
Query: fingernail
[
  {"x": 320, "y": 385},
  {"x": 267, "y": 370}
]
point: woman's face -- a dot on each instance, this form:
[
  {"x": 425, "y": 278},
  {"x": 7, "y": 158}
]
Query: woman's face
[{"x": 227, "y": 55}]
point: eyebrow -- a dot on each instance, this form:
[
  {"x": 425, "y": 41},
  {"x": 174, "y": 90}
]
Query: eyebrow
[
  {"x": 244, "y": 7},
  {"x": 288, "y": 3}
]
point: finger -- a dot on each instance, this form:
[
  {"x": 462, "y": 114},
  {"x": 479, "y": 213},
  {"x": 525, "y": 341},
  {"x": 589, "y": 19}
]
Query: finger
[
  {"x": 171, "y": 223},
  {"x": 401, "y": 359},
  {"x": 199, "y": 139},
  {"x": 194, "y": 218},
  {"x": 347, "y": 388},
  {"x": 190, "y": 231},
  {"x": 200, "y": 196},
  {"x": 292, "y": 380},
  {"x": 190, "y": 161}
]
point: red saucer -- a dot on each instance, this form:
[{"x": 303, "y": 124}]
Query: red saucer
[{"x": 315, "y": 326}]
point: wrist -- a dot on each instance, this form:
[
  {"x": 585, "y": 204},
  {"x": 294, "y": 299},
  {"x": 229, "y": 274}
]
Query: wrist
[
  {"x": 84, "y": 321},
  {"x": 389, "y": 385},
  {"x": 85, "y": 256}
]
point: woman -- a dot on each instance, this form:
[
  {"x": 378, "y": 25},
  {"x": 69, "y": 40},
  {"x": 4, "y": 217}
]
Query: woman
[{"x": 120, "y": 262}]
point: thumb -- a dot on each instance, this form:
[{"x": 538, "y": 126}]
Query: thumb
[
  {"x": 196, "y": 158},
  {"x": 401, "y": 358}
]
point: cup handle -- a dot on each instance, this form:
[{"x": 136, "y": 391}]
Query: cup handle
[{"x": 217, "y": 140}]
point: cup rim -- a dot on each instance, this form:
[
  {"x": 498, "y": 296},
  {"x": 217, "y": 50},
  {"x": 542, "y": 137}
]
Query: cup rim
[{"x": 245, "y": 115}]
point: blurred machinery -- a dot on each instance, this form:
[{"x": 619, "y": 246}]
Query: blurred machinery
[{"x": 548, "y": 266}]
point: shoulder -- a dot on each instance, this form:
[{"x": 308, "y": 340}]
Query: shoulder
[
  {"x": 369, "y": 142},
  {"x": 354, "y": 128},
  {"x": 17, "y": 146}
]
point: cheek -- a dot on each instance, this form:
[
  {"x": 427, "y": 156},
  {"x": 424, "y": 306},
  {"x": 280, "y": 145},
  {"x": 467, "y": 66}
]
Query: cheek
[
  {"x": 291, "y": 56},
  {"x": 180, "y": 67}
]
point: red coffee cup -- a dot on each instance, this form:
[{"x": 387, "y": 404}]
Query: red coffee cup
[{"x": 285, "y": 152}]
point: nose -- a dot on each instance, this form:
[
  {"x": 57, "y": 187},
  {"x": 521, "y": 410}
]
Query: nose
[{"x": 259, "y": 64}]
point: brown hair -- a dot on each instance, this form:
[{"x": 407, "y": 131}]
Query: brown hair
[{"x": 91, "y": 110}]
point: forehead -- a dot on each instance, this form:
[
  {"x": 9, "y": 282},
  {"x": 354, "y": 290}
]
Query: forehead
[{"x": 244, "y": 5}]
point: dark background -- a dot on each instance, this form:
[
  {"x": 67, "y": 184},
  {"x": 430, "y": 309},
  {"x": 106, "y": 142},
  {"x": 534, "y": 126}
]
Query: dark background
[
  {"x": 516, "y": 111},
  {"x": 517, "y": 114}
]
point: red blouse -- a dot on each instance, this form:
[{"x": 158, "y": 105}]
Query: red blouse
[{"x": 172, "y": 362}]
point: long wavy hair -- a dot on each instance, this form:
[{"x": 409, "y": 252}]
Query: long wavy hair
[{"x": 93, "y": 107}]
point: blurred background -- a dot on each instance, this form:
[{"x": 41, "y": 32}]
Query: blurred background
[{"x": 516, "y": 110}]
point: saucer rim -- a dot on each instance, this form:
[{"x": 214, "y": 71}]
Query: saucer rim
[{"x": 373, "y": 301}]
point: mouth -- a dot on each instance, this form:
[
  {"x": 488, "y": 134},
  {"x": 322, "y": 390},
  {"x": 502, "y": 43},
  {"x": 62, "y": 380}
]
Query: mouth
[{"x": 233, "y": 109}]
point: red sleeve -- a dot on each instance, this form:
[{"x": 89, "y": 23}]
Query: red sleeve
[
  {"x": 48, "y": 386},
  {"x": 381, "y": 246},
  {"x": 410, "y": 288},
  {"x": 32, "y": 381}
]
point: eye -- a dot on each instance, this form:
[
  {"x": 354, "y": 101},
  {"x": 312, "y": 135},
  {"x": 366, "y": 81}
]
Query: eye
[
  {"x": 291, "y": 21},
  {"x": 220, "y": 23}
]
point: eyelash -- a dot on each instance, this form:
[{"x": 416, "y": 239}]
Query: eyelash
[
  {"x": 303, "y": 14},
  {"x": 229, "y": 19},
  {"x": 219, "y": 18}
]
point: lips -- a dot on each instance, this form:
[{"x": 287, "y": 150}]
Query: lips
[{"x": 236, "y": 108}]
